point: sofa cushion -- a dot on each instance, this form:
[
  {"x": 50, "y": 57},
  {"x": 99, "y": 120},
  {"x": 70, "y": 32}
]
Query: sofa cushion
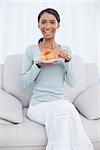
[
  {"x": 11, "y": 76},
  {"x": 88, "y": 103},
  {"x": 79, "y": 71},
  {"x": 28, "y": 133},
  {"x": 1, "y": 70},
  {"x": 4, "y": 122},
  {"x": 92, "y": 73},
  {"x": 10, "y": 108},
  {"x": 92, "y": 128}
]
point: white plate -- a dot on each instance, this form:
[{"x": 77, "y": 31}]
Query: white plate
[{"x": 47, "y": 61}]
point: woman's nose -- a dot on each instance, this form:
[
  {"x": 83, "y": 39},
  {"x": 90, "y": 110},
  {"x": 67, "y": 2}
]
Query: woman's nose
[{"x": 48, "y": 25}]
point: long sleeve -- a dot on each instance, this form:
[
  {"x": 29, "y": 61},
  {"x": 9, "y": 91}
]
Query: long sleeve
[
  {"x": 29, "y": 69},
  {"x": 69, "y": 74}
]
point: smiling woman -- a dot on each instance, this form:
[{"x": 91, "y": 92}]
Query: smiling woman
[{"x": 48, "y": 105}]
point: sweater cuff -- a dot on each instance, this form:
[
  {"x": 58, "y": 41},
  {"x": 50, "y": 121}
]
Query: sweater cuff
[
  {"x": 38, "y": 66},
  {"x": 35, "y": 69},
  {"x": 67, "y": 60}
]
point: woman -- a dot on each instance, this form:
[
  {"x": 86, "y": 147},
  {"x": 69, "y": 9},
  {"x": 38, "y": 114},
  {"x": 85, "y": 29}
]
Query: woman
[{"x": 48, "y": 105}]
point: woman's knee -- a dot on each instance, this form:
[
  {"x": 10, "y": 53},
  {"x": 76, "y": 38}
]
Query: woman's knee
[
  {"x": 60, "y": 108},
  {"x": 64, "y": 108},
  {"x": 30, "y": 113}
]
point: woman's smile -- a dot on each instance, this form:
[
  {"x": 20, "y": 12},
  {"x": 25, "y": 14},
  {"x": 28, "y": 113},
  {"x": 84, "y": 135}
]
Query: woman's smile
[{"x": 47, "y": 32}]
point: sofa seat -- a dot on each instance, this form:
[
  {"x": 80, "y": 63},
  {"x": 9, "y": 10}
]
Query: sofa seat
[
  {"x": 28, "y": 133},
  {"x": 92, "y": 128},
  {"x": 33, "y": 134}
]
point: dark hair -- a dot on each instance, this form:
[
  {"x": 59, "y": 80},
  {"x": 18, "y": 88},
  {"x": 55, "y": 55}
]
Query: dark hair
[{"x": 50, "y": 11}]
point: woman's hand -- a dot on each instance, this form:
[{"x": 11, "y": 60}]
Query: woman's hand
[
  {"x": 62, "y": 54},
  {"x": 58, "y": 52}
]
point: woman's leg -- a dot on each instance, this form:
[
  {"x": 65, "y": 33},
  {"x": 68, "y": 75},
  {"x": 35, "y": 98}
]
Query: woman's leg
[
  {"x": 64, "y": 128},
  {"x": 63, "y": 125},
  {"x": 38, "y": 112}
]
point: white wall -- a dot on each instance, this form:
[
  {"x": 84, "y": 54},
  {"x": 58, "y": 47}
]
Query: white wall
[{"x": 80, "y": 26}]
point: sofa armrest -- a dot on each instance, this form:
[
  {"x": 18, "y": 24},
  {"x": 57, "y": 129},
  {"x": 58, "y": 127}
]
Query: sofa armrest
[
  {"x": 10, "y": 108},
  {"x": 1, "y": 77},
  {"x": 88, "y": 102}
]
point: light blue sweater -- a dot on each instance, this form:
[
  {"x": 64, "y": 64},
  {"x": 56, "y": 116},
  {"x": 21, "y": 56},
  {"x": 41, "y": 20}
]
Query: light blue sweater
[{"x": 48, "y": 81}]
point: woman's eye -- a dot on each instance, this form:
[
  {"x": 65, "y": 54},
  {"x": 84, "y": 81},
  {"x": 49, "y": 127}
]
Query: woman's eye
[
  {"x": 43, "y": 22},
  {"x": 53, "y": 22}
]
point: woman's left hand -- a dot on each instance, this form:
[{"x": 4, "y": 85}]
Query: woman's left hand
[{"x": 63, "y": 54}]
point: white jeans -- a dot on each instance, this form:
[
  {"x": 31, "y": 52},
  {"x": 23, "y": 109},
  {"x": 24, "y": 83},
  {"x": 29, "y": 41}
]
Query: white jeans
[{"x": 63, "y": 125}]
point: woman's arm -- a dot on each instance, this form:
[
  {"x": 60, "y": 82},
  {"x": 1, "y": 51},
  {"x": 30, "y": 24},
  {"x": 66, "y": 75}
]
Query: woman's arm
[
  {"x": 69, "y": 74},
  {"x": 29, "y": 69}
]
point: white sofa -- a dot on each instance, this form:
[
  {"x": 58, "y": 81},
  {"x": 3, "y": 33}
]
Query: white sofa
[{"x": 17, "y": 132}]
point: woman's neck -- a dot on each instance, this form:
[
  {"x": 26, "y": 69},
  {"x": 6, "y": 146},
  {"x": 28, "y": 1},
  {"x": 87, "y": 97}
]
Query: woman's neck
[{"x": 49, "y": 43}]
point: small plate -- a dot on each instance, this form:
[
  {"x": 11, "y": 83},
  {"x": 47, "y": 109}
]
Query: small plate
[{"x": 47, "y": 61}]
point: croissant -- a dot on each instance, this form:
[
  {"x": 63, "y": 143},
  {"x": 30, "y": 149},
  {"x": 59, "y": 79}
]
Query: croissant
[{"x": 49, "y": 56}]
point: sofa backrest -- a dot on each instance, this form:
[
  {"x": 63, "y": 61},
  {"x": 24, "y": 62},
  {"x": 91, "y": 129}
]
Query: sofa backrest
[
  {"x": 11, "y": 76},
  {"x": 79, "y": 70},
  {"x": 1, "y": 66},
  {"x": 92, "y": 73}
]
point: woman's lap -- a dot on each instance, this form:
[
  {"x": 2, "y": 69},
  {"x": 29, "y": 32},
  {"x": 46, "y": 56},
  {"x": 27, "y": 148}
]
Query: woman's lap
[{"x": 40, "y": 111}]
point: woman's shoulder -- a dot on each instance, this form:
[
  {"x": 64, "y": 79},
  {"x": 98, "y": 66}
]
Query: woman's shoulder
[
  {"x": 30, "y": 48},
  {"x": 31, "y": 51},
  {"x": 66, "y": 48}
]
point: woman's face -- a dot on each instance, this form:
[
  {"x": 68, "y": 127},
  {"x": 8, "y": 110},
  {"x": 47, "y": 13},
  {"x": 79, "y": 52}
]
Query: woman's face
[{"x": 48, "y": 25}]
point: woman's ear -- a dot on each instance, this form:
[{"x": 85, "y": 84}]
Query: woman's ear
[
  {"x": 38, "y": 26},
  {"x": 58, "y": 25}
]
